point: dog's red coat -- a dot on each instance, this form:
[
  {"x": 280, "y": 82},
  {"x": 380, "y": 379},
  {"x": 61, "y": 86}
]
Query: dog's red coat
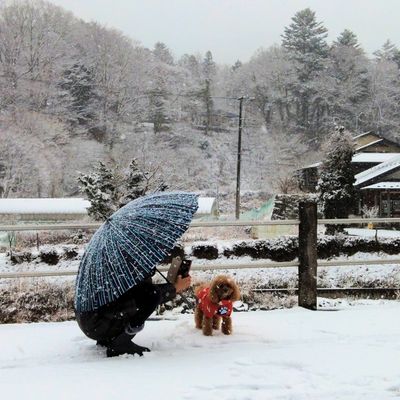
[{"x": 222, "y": 309}]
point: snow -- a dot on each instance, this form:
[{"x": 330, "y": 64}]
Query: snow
[
  {"x": 286, "y": 354},
  {"x": 207, "y": 205},
  {"x": 44, "y": 206},
  {"x": 373, "y": 157},
  {"x": 377, "y": 170},
  {"x": 74, "y": 206},
  {"x": 383, "y": 185},
  {"x": 382, "y": 233}
]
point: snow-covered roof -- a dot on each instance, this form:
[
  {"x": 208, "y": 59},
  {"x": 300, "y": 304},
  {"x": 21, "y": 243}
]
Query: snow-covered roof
[
  {"x": 384, "y": 185},
  {"x": 207, "y": 205},
  {"x": 365, "y": 134},
  {"x": 373, "y": 157},
  {"x": 364, "y": 158},
  {"x": 378, "y": 170},
  {"x": 44, "y": 206},
  {"x": 369, "y": 144}
]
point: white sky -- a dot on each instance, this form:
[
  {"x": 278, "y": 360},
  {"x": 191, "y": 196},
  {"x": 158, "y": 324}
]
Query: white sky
[{"x": 235, "y": 29}]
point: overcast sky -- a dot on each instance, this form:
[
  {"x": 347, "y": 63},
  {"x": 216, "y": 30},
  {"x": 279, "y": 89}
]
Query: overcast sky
[{"x": 235, "y": 29}]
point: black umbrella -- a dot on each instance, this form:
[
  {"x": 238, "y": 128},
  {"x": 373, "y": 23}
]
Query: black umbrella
[{"x": 126, "y": 249}]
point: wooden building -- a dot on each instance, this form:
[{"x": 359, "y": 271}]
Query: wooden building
[{"x": 377, "y": 171}]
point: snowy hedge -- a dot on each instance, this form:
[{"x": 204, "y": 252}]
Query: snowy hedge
[
  {"x": 286, "y": 248},
  {"x": 43, "y": 302}
]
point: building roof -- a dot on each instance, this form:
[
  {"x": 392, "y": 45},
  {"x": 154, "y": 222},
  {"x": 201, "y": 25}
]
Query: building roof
[
  {"x": 207, "y": 205},
  {"x": 373, "y": 157},
  {"x": 378, "y": 170},
  {"x": 44, "y": 206},
  {"x": 369, "y": 144},
  {"x": 365, "y": 134},
  {"x": 384, "y": 185}
]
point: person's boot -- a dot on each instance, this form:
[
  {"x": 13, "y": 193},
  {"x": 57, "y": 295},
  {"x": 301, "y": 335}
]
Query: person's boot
[
  {"x": 123, "y": 344},
  {"x": 103, "y": 343}
]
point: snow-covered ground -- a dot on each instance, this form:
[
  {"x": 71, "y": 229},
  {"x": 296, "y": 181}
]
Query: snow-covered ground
[
  {"x": 287, "y": 354},
  {"x": 382, "y": 233}
]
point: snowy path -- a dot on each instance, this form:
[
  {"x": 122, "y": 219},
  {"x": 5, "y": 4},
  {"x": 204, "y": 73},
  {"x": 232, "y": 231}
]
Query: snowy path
[{"x": 292, "y": 354}]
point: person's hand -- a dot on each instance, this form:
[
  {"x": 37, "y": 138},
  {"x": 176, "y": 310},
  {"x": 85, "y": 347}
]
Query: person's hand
[{"x": 182, "y": 284}]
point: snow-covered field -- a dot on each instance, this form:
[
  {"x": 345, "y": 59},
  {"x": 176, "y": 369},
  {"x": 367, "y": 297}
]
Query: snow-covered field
[{"x": 287, "y": 354}]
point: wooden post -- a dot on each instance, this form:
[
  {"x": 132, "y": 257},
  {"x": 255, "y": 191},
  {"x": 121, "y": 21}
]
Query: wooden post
[{"x": 308, "y": 255}]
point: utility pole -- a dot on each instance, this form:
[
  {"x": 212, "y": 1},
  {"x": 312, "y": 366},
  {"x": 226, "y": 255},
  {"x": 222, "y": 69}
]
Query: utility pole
[{"x": 239, "y": 154}]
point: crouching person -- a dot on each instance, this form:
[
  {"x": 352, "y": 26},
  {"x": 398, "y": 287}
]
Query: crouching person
[{"x": 114, "y": 325}]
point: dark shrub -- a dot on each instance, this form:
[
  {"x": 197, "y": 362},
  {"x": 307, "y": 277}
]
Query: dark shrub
[
  {"x": 20, "y": 257},
  {"x": 178, "y": 250},
  {"x": 70, "y": 253},
  {"x": 208, "y": 252},
  {"x": 329, "y": 246},
  {"x": 49, "y": 256}
]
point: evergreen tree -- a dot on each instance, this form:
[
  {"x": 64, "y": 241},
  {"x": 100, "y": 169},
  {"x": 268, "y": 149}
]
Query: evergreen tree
[
  {"x": 135, "y": 181},
  {"x": 335, "y": 186},
  {"x": 349, "y": 80},
  {"x": 101, "y": 190},
  {"x": 206, "y": 92},
  {"x": 157, "y": 109},
  {"x": 388, "y": 52},
  {"x": 78, "y": 84},
  {"x": 347, "y": 38},
  {"x": 108, "y": 189},
  {"x": 162, "y": 53},
  {"x": 305, "y": 41}
]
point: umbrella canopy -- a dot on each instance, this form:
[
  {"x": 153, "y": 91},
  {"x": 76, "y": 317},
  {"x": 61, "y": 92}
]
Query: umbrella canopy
[{"x": 126, "y": 249}]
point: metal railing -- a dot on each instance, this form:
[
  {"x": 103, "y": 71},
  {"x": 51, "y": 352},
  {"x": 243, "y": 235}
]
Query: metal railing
[
  {"x": 201, "y": 224},
  {"x": 217, "y": 224}
]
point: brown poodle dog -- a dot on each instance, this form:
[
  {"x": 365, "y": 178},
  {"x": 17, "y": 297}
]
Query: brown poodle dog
[{"x": 214, "y": 302}]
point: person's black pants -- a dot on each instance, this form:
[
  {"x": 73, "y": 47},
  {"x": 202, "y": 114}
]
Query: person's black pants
[{"x": 131, "y": 309}]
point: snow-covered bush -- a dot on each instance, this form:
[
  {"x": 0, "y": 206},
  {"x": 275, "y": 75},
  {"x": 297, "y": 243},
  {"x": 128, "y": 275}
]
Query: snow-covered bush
[
  {"x": 49, "y": 255},
  {"x": 42, "y": 302},
  {"x": 70, "y": 253},
  {"x": 208, "y": 252},
  {"x": 20, "y": 257}
]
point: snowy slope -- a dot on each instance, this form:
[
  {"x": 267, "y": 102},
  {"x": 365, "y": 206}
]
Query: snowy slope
[{"x": 285, "y": 354}]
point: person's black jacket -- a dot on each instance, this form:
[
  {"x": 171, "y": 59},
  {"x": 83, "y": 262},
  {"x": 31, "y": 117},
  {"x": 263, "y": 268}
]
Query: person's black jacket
[{"x": 133, "y": 308}]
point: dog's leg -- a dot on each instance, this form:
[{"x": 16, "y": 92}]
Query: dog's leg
[
  {"x": 226, "y": 325},
  {"x": 198, "y": 317},
  {"x": 207, "y": 326},
  {"x": 216, "y": 322}
]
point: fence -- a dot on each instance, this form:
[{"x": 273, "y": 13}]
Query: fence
[{"x": 307, "y": 258}]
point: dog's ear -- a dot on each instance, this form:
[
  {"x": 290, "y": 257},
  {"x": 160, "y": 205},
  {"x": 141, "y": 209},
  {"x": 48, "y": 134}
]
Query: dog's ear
[
  {"x": 213, "y": 294},
  {"x": 236, "y": 292}
]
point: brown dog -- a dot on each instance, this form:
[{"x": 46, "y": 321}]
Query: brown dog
[{"x": 214, "y": 302}]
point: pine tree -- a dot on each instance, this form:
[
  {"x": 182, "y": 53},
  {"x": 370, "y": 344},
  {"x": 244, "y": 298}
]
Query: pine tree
[
  {"x": 305, "y": 42},
  {"x": 388, "y": 52},
  {"x": 135, "y": 186},
  {"x": 157, "y": 109},
  {"x": 349, "y": 79},
  {"x": 162, "y": 53},
  {"x": 335, "y": 186},
  {"x": 101, "y": 190},
  {"x": 109, "y": 189},
  {"x": 78, "y": 84},
  {"x": 347, "y": 38},
  {"x": 206, "y": 95}
]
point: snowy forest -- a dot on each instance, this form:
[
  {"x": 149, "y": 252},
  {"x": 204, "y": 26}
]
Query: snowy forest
[{"x": 73, "y": 93}]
